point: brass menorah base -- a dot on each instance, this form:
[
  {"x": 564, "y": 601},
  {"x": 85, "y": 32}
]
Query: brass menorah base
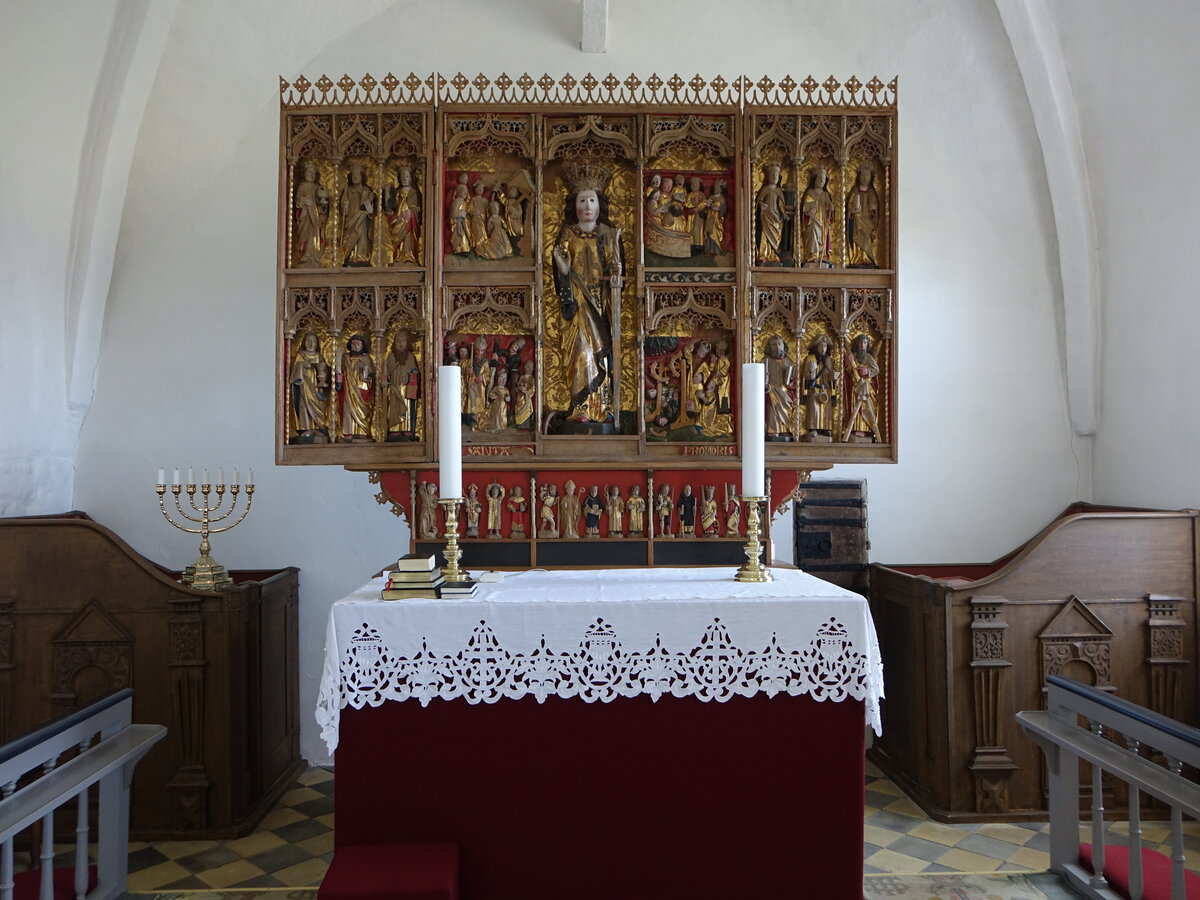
[
  {"x": 752, "y": 569},
  {"x": 206, "y": 574}
]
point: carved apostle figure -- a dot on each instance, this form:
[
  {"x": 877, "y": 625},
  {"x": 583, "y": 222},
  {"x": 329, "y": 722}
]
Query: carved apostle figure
[
  {"x": 687, "y": 512},
  {"x": 593, "y": 508},
  {"x": 358, "y": 218},
  {"x": 615, "y": 507},
  {"x": 709, "y": 515},
  {"x": 311, "y": 208},
  {"x": 495, "y": 504},
  {"x": 733, "y": 511},
  {"x": 663, "y": 507},
  {"x": 474, "y": 509},
  {"x": 548, "y": 512},
  {"x": 309, "y": 379},
  {"x": 771, "y": 209},
  {"x": 863, "y": 421},
  {"x": 816, "y": 220},
  {"x": 402, "y": 206},
  {"x": 356, "y": 381},
  {"x": 862, "y": 220},
  {"x": 637, "y": 511},
  {"x": 569, "y": 511},
  {"x": 819, "y": 380},
  {"x": 428, "y": 515},
  {"x": 517, "y": 508},
  {"x": 402, "y": 381},
  {"x": 714, "y": 220},
  {"x": 780, "y": 373}
]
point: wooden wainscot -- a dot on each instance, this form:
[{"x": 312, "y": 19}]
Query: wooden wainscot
[
  {"x": 1106, "y": 596},
  {"x": 82, "y": 614}
]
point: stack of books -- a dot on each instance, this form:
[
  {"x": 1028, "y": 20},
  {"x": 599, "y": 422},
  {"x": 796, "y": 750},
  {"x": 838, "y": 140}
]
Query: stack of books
[
  {"x": 459, "y": 590},
  {"x": 415, "y": 577}
]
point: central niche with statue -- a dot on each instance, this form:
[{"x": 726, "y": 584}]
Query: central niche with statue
[{"x": 599, "y": 259}]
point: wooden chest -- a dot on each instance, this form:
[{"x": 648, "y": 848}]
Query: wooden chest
[{"x": 830, "y": 532}]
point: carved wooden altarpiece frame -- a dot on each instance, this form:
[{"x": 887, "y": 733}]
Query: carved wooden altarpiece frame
[{"x": 421, "y": 222}]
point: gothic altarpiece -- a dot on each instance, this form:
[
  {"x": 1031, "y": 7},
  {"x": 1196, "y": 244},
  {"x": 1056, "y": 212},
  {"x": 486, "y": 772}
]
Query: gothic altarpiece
[{"x": 599, "y": 258}]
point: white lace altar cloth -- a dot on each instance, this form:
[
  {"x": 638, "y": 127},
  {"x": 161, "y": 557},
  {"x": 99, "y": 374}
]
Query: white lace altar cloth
[{"x": 603, "y": 634}]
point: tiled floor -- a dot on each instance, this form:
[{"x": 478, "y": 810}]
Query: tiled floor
[
  {"x": 294, "y": 844},
  {"x": 291, "y": 848}
]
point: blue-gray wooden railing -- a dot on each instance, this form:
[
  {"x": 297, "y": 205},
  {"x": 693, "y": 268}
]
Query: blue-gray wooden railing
[
  {"x": 1142, "y": 734},
  {"x": 108, "y": 747}
]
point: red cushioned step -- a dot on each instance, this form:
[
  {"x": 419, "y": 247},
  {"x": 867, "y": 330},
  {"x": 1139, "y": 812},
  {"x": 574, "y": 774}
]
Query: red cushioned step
[
  {"x": 1156, "y": 872},
  {"x": 400, "y": 871},
  {"x": 27, "y": 885}
]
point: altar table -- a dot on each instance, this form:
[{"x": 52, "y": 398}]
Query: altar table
[{"x": 612, "y": 735}]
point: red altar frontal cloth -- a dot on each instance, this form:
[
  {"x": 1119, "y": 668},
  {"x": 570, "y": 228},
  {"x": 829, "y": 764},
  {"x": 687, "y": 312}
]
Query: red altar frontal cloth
[{"x": 756, "y": 797}]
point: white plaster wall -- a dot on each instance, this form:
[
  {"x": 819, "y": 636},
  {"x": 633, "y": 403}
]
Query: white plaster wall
[
  {"x": 186, "y": 374},
  {"x": 1134, "y": 70},
  {"x": 44, "y": 104}
]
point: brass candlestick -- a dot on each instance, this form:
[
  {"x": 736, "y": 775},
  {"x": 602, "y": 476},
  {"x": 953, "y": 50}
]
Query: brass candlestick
[
  {"x": 752, "y": 569},
  {"x": 451, "y": 572},
  {"x": 205, "y": 574}
]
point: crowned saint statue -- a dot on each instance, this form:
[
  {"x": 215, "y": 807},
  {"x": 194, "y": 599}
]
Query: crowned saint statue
[{"x": 588, "y": 270}]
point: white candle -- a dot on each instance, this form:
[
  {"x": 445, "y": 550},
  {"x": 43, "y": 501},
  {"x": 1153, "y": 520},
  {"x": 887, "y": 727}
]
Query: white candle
[
  {"x": 235, "y": 476},
  {"x": 249, "y": 478},
  {"x": 206, "y": 481},
  {"x": 450, "y": 432},
  {"x": 221, "y": 476},
  {"x": 753, "y": 430},
  {"x": 175, "y": 479},
  {"x": 191, "y": 476},
  {"x": 161, "y": 477}
]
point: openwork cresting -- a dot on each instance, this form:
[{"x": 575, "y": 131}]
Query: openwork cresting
[
  {"x": 205, "y": 574},
  {"x": 740, "y": 92}
]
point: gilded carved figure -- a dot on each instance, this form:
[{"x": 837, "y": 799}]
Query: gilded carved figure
[
  {"x": 402, "y": 206},
  {"x": 427, "y": 517},
  {"x": 495, "y": 505},
  {"x": 687, "y": 512},
  {"x": 771, "y": 209},
  {"x": 816, "y": 220},
  {"x": 710, "y": 523},
  {"x": 517, "y": 507},
  {"x": 309, "y": 379},
  {"x": 862, "y": 221},
  {"x": 498, "y": 244},
  {"x": 819, "y": 380},
  {"x": 636, "y": 506},
  {"x": 523, "y": 395},
  {"x": 615, "y": 508},
  {"x": 569, "y": 511},
  {"x": 780, "y": 377},
  {"x": 460, "y": 204},
  {"x": 311, "y": 207},
  {"x": 593, "y": 508},
  {"x": 402, "y": 381},
  {"x": 477, "y": 216},
  {"x": 356, "y": 382},
  {"x": 863, "y": 420},
  {"x": 693, "y": 214},
  {"x": 733, "y": 511},
  {"x": 473, "y": 509},
  {"x": 477, "y": 383},
  {"x": 663, "y": 507},
  {"x": 588, "y": 277},
  {"x": 358, "y": 218},
  {"x": 714, "y": 220},
  {"x": 495, "y": 419},
  {"x": 548, "y": 512}
]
